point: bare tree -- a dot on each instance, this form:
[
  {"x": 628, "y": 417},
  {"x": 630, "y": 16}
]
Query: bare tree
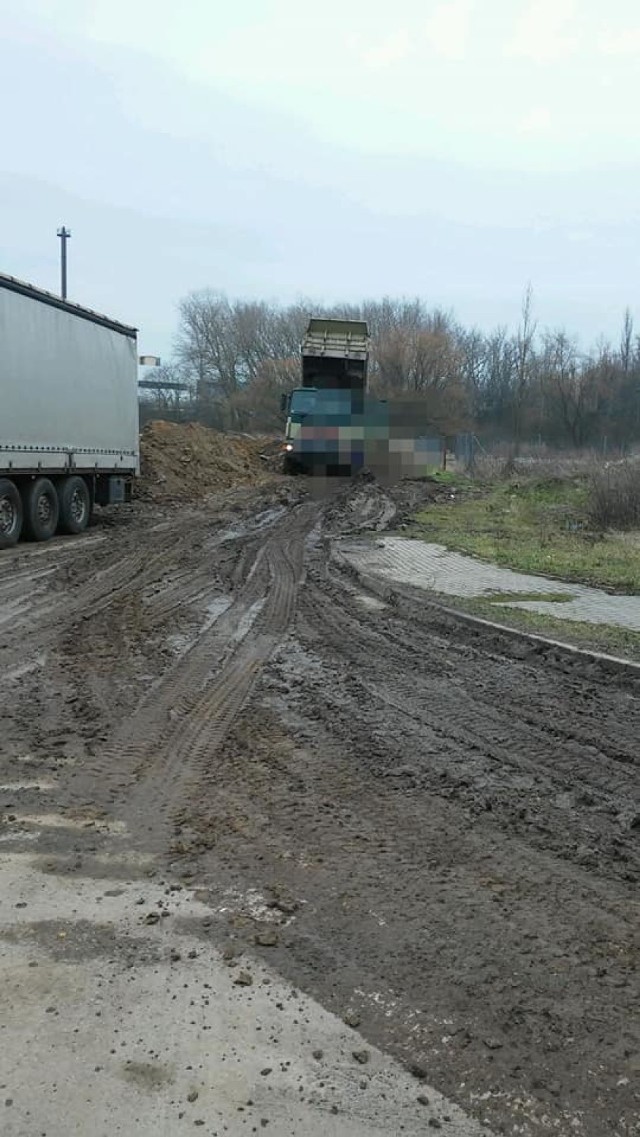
[
  {"x": 569, "y": 384},
  {"x": 207, "y": 346},
  {"x": 524, "y": 348},
  {"x": 257, "y": 405},
  {"x": 626, "y": 341}
]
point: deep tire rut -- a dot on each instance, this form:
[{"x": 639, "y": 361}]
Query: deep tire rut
[
  {"x": 480, "y": 741},
  {"x": 184, "y": 720}
]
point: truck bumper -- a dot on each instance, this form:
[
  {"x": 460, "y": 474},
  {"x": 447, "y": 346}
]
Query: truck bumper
[{"x": 324, "y": 463}]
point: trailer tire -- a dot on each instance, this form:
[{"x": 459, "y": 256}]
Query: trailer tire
[
  {"x": 74, "y": 505},
  {"x": 11, "y": 514},
  {"x": 40, "y": 503}
]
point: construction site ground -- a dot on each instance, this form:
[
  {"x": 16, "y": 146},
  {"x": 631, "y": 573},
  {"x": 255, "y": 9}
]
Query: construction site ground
[{"x": 283, "y": 853}]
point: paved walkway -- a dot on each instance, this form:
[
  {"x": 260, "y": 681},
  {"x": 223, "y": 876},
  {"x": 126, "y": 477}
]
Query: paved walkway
[{"x": 453, "y": 574}]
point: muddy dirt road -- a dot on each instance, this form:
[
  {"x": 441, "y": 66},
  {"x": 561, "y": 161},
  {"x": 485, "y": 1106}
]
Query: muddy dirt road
[{"x": 439, "y": 828}]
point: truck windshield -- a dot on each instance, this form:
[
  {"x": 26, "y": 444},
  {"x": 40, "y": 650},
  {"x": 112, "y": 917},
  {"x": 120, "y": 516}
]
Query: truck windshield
[{"x": 309, "y": 402}]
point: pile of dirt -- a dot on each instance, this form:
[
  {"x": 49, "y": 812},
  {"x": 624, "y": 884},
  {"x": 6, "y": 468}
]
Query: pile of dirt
[
  {"x": 189, "y": 461},
  {"x": 271, "y": 454}
]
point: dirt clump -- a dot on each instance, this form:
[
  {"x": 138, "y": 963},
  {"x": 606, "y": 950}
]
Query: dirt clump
[{"x": 189, "y": 461}]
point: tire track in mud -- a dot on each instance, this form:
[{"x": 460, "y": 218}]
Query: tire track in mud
[
  {"x": 416, "y": 654},
  {"x": 57, "y": 602},
  {"x": 540, "y": 791},
  {"x": 39, "y": 626},
  {"x": 550, "y": 780},
  {"x": 82, "y": 696},
  {"x": 186, "y": 717},
  {"x": 205, "y": 721},
  {"x": 532, "y": 701},
  {"x": 477, "y": 722},
  {"x": 240, "y": 542},
  {"x": 184, "y": 589},
  {"x": 173, "y": 697},
  {"x": 26, "y": 558}
]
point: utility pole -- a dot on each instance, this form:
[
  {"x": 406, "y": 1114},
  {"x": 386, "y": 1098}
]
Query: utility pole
[{"x": 64, "y": 235}]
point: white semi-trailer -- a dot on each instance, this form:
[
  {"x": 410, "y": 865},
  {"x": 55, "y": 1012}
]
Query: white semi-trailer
[{"x": 68, "y": 413}]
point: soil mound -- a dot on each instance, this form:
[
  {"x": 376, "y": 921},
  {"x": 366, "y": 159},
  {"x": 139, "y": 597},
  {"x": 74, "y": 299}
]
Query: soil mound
[{"x": 188, "y": 460}]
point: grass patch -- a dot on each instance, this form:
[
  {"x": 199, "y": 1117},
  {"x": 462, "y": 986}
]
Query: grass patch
[
  {"x": 449, "y": 478},
  {"x": 537, "y": 526},
  {"x": 606, "y": 638}
]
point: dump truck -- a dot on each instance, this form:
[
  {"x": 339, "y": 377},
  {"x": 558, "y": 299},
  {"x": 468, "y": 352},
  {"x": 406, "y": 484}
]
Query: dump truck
[
  {"x": 68, "y": 413},
  {"x": 331, "y": 413}
]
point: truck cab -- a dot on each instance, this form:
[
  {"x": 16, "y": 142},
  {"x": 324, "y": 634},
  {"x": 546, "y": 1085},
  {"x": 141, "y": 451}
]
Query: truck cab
[{"x": 324, "y": 431}]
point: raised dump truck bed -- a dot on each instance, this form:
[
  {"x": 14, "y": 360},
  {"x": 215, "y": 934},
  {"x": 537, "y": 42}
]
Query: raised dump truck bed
[{"x": 335, "y": 353}]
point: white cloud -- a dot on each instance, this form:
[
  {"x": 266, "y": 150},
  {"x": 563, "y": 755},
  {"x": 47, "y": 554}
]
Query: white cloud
[
  {"x": 536, "y": 121},
  {"x": 447, "y": 30},
  {"x": 546, "y": 31},
  {"x": 623, "y": 43},
  {"x": 392, "y": 49}
]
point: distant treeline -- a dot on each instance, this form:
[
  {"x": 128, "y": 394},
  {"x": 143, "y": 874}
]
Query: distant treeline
[{"x": 530, "y": 385}]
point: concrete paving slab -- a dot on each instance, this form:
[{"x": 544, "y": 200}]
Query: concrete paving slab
[
  {"x": 109, "y": 1025},
  {"x": 438, "y": 569}
]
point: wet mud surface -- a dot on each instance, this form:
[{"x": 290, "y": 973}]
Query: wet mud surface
[{"x": 431, "y": 827}]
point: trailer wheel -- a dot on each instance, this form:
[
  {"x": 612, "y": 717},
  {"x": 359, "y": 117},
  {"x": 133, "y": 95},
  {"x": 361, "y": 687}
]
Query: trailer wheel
[
  {"x": 40, "y": 502},
  {"x": 11, "y": 514},
  {"x": 74, "y": 502}
]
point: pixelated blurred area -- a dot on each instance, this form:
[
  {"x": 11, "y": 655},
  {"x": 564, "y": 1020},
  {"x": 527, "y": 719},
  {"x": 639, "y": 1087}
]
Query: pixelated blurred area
[{"x": 342, "y": 432}]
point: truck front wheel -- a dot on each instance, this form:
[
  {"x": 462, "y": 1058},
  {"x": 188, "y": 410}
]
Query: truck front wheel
[
  {"x": 10, "y": 514},
  {"x": 74, "y": 502},
  {"x": 40, "y": 502}
]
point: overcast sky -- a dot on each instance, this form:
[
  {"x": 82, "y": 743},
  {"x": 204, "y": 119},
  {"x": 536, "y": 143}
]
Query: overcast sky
[{"x": 344, "y": 149}]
